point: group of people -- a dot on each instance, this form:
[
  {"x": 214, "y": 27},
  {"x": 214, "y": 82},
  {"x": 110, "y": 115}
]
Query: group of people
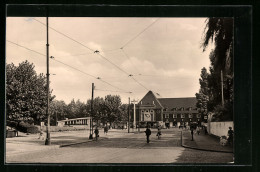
[{"x": 148, "y": 133}]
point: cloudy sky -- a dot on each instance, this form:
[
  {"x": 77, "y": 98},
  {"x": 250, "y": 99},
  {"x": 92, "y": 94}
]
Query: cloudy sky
[{"x": 135, "y": 55}]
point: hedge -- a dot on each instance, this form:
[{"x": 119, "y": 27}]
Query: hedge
[{"x": 27, "y": 128}]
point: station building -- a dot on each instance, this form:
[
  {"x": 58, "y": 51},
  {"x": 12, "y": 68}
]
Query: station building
[{"x": 167, "y": 112}]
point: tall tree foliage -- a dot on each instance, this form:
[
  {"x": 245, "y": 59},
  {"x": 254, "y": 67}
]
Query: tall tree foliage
[
  {"x": 220, "y": 32},
  {"x": 203, "y": 95},
  {"x": 108, "y": 109},
  {"x": 26, "y": 93}
]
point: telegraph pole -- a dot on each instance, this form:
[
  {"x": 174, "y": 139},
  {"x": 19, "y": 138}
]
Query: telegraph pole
[
  {"x": 222, "y": 94},
  {"x": 48, "y": 138},
  {"x": 134, "y": 124},
  {"x": 91, "y": 116},
  {"x": 128, "y": 114}
]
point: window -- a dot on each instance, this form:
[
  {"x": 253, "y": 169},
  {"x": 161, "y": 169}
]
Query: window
[
  {"x": 151, "y": 110},
  {"x": 198, "y": 116},
  {"x": 182, "y": 115},
  {"x": 174, "y": 115},
  {"x": 166, "y": 115},
  {"x": 190, "y": 116}
]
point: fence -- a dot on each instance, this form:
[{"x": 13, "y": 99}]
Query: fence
[{"x": 220, "y": 128}]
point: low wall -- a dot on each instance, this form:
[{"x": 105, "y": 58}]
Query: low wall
[{"x": 220, "y": 128}]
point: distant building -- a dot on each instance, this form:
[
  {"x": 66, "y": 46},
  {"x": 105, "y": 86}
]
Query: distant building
[
  {"x": 74, "y": 121},
  {"x": 167, "y": 112}
]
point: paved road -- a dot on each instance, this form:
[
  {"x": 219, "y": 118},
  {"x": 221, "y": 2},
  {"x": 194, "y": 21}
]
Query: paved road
[{"x": 130, "y": 148}]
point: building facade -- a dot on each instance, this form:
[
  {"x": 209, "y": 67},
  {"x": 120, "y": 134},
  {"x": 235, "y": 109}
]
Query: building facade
[
  {"x": 167, "y": 112},
  {"x": 74, "y": 121}
]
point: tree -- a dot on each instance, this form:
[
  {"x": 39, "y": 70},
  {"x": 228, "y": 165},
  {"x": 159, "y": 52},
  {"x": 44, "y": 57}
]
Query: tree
[
  {"x": 111, "y": 106},
  {"x": 26, "y": 93},
  {"x": 58, "y": 108},
  {"x": 203, "y": 95},
  {"x": 123, "y": 113},
  {"x": 220, "y": 31}
]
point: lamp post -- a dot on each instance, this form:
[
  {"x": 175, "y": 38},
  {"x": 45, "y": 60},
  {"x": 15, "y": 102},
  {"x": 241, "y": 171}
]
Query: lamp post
[
  {"x": 91, "y": 116},
  {"x": 48, "y": 139}
]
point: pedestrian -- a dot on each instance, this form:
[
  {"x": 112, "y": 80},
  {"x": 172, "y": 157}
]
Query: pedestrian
[
  {"x": 198, "y": 130},
  {"x": 148, "y": 133},
  {"x": 230, "y": 136},
  {"x": 96, "y": 133},
  {"x": 191, "y": 130},
  {"x": 105, "y": 130},
  {"x": 159, "y": 132},
  {"x": 206, "y": 131}
]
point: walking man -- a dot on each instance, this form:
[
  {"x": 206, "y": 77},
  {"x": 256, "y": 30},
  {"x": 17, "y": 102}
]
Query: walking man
[
  {"x": 148, "y": 133},
  {"x": 105, "y": 130},
  {"x": 96, "y": 133},
  {"x": 191, "y": 133},
  {"x": 230, "y": 136}
]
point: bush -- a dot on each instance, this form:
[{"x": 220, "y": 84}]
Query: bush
[
  {"x": 27, "y": 128},
  {"x": 12, "y": 124}
]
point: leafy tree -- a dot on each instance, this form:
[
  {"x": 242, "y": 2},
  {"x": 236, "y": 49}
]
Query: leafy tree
[
  {"x": 98, "y": 110},
  {"x": 25, "y": 93},
  {"x": 58, "y": 109},
  {"x": 71, "y": 109},
  {"x": 81, "y": 109},
  {"x": 111, "y": 106},
  {"x": 123, "y": 113},
  {"x": 220, "y": 31},
  {"x": 203, "y": 95}
]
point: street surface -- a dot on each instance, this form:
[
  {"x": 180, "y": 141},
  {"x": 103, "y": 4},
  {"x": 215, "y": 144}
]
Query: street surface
[{"x": 126, "y": 148}]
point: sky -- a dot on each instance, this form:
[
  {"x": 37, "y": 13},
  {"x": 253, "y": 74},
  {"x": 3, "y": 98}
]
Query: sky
[{"x": 134, "y": 55}]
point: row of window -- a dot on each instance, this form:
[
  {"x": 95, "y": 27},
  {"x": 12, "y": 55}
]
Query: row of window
[
  {"x": 182, "y": 109},
  {"x": 182, "y": 115}
]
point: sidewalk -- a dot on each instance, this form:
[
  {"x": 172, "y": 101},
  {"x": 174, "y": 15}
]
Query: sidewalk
[
  {"x": 29, "y": 143},
  {"x": 203, "y": 142}
]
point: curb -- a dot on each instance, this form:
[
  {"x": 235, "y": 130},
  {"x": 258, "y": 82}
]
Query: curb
[{"x": 195, "y": 148}]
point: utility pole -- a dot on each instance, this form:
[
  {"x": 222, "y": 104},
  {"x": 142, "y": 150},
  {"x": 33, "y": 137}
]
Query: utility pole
[
  {"x": 48, "y": 138},
  {"x": 91, "y": 117},
  {"x": 222, "y": 94},
  {"x": 134, "y": 123},
  {"x": 128, "y": 114}
]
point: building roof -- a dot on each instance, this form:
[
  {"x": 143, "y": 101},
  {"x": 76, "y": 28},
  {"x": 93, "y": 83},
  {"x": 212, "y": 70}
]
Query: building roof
[
  {"x": 168, "y": 103},
  {"x": 150, "y": 99},
  {"x": 171, "y": 103}
]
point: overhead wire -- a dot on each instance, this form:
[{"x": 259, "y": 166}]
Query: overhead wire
[
  {"x": 139, "y": 33},
  {"x": 97, "y": 52},
  {"x": 98, "y": 78},
  {"x": 129, "y": 59},
  {"x": 111, "y": 90},
  {"x": 64, "y": 35}
]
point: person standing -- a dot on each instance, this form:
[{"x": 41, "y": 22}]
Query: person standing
[
  {"x": 230, "y": 136},
  {"x": 159, "y": 132},
  {"x": 148, "y": 133},
  {"x": 96, "y": 133},
  {"x": 105, "y": 130},
  {"x": 191, "y": 130}
]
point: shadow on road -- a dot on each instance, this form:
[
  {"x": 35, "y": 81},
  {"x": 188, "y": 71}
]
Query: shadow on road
[{"x": 164, "y": 142}]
